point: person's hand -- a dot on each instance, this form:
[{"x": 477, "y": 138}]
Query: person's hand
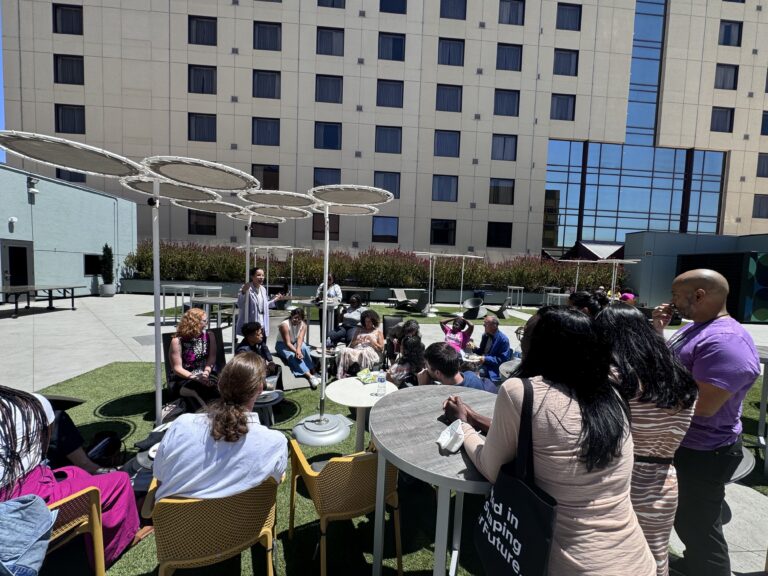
[
  {"x": 455, "y": 409},
  {"x": 245, "y": 287},
  {"x": 661, "y": 316},
  {"x": 299, "y": 355},
  {"x": 280, "y": 296}
]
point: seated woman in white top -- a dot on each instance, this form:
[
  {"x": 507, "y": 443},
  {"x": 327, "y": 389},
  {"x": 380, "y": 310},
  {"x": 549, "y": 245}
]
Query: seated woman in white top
[
  {"x": 292, "y": 348},
  {"x": 334, "y": 290},
  {"x": 224, "y": 451}
]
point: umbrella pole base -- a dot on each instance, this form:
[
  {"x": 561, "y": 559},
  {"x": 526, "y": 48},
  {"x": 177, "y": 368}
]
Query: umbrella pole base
[{"x": 317, "y": 430}]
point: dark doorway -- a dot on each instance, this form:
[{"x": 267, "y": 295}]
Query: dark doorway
[{"x": 17, "y": 266}]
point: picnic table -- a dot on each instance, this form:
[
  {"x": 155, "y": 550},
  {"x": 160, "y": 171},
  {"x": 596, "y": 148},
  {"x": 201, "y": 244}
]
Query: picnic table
[
  {"x": 363, "y": 292},
  {"x": 17, "y": 292}
]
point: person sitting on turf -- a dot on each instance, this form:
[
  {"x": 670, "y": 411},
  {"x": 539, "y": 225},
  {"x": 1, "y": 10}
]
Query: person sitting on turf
[{"x": 442, "y": 365}]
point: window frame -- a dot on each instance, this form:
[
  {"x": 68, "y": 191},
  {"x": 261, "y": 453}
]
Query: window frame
[
  {"x": 385, "y": 186},
  {"x": 447, "y": 7},
  {"x": 339, "y": 83},
  {"x": 721, "y": 32},
  {"x": 572, "y": 98},
  {"x": 446, "y": 133},
  {"x": 731, "y": 113},
  {"x": 451, "y": 182},
  {"x": 383, "y": 238},
  {"x": 570, "y": 53},
  {"x": 385, "y": 81},
  {"x": 451, "y": 230},
  {"x": 255, "y": 120},
  {"x": 334, "y": 32},
  {"x": 504, "y": 138},
  {"x": 497, "y": 104},
  {"x": 559, "y": 21},
  {"x": 511, "y": 3},
  {"x": 382, "y": 128},
  {"x": 60, "y": 109},
  {"x": 760, "y": 206},
  {"x": 496, "y": 191},
  {"x": 450, "y": 100},
  {"x": 505, "y": 45},
  {"x": 199, "y": 116},
  {"x": 193, "y": 19},
  {"x": 488, "y": 236},
  {"x": 318, "y": 227},
  {"x": 257, "y": 38},
  {"x": 200, "y": 67},
  {"x": 762, "y": 165},
  {"x": 718, "y": 78},
  {"x": 442, "y": 61},
  {"x": 74, "y": 8},
  {"x": 392, "y": 9},
  {"x": 277, "y": 94},
  {"x": 259, "y": 171},
  {"x": 201, "y": 229},
  {"x": 392, "y": 37},
  {"x": 58, "y": 59},
  {"x": 322, "y": 134}
]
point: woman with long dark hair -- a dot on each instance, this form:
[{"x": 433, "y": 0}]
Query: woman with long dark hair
[
  {"x": 224, "y": 451},
  {"x": 582, "y": 448},
  {"x": 661, "y": 394},
  {"x": 24, "y": 434},
  {"x": 366, "y": 346},
  {"x": 409, "y": 363}
]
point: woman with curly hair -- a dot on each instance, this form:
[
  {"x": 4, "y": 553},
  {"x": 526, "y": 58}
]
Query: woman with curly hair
[
  {"x": 193, "y": 359},
  {"x": 225, "y": 450},
  {"x": 24, "y": 433},
  {"x": 409, "y": 363},
  {"x": 366, "y": 346}
]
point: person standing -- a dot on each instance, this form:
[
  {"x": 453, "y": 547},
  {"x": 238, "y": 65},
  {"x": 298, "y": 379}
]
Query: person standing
[
  {"x": 723, "y": 359},
  {"x": 258, "y": 302}
]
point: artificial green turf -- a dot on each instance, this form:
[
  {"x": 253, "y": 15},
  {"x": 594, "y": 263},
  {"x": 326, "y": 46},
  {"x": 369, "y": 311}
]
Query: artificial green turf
[{"x": 120, "y": 396}]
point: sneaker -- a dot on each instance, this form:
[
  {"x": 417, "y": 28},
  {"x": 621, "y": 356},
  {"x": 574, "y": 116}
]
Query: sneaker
[{"x": 314, "y": 382}]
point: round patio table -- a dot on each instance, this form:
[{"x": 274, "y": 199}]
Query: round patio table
[{"x": 353, "y": 393}]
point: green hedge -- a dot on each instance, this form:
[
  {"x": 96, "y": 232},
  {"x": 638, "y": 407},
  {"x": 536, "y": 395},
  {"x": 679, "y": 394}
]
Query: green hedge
[{"x": 377, "y": 268}]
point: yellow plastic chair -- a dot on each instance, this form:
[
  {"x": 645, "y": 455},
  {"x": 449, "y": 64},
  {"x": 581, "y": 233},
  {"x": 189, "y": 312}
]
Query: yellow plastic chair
[
  {"x": 344, "y": 489},
  {"x": 80, "y": 513},
  {"x": 192, "y": 532}
]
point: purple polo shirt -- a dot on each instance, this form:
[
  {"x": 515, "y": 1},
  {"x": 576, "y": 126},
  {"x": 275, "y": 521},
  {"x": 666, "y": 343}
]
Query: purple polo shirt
[{"x": 721, "y": 353}]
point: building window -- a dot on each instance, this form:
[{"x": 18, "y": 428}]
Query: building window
[
  {"x": 326, "y": 176},
  {"x": 384, "y": 229},
  {"x": 722, "y": 119},
  {"x": 389, "y": 139},
  {"x": 563, "y": 107},
  {"x": 389, "y": 93},
  {"x": 330, "y": 41},
  {"x": 737, "y": 1},
  {"x": 67, "y": 19},
  {"x": 450, "y": 52},
  {"x": 730, "y": 33},
  {"x": 265, "y": 131},
  {"x": 762, "y": 165},
  {"x": 448, "y": 98},
  {"x": 454, "y": 9},
  {"x": 70, "y": 118},
  {"x": 760, "y": 206},
  {"x": 202, "y": 30},
  {"x": 68, "y": 69},
  {"x": 512, "y": 12},
  {"x": 443, "y": 233},
  {"x": 202, "y": 79},
  {"x": 91, "y": 264},
  {"x": 266, "y": 84},
  {"x": 504, "y": 147},
  {"x": 70, "y": 176},
  {"x": 509, "y": 57},
  {"x": 445, "y": 188},
  {"x": 568, "y": 16},
  {"x": 499, "y": 235},
  {"x": 318, "y": 227},
  {"x": 506, "y": 102},
  {"x": 267, "y": 174},
  {"x": 331, "y": 3},
  {"x": 263, "y": 230},
  {"x": 447, "y": 143},
  {"x": 267, "y": 36},
  {"x": 764, "y": 125},
  {"x": 726, "y": 76},
  {"x": 501, "y": 191},
  {"x": 391, "y": 46},
  {"x": 393, "y": 6},
  {"x": 566, "y": 62},
  {"x": 389, "y": 181},
  {"x": 201, "y": 223},
  {"x": 201, "y": 127},
  {"x": 328, "y": 135},
  {"x": 329, "y": 88}
]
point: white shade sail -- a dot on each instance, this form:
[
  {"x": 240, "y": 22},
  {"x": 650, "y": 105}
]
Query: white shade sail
[{"x": 201, "y": 173}]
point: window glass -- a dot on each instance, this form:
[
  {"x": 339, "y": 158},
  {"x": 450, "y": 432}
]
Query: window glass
[
  {"x": 68, "y": 69},
  {"x": 202, "y": 30},
  {"x": 388, "y": 139},
  {"x": 504, "y": 147},
  {"x": 455, "y": 9},
  {"x": 267, "y": 36},
  {"x": 447, "y": 143},
  {"x": 762, "y": 165},
  {"x": 266, "y": 84},
  {"x": 722, "y": 119},
  {"x": 512, "y": 12},
  {"x": 201, "y": 127},
  {"x": 445, "y": 188},
  {"x": 563, "y": 107},
  {"x": 448, "y": 98},
  {"x": 393, "y": 6},
  {"x": 566, "y": 62},
  {"x": 502, "y": 191},
  {"x": 202, "y": 79},
  {"x": 91, "y": 264},
  {"x": 391, "y": 46},
  {"x": 318, "y": 227},
  {"x": 266, "y": 132},
  {"x": 70, "y": 176},
  {"x": 389, "y": 181},
  {"x": 384, "y": 229},
  {"x": 443, "y": 233},
  {"x": 389, "y": 93},
  {"x": 331, "y": 3},
  {"x": 330, "y": 41},
  {"x": 201, "y": 223},
  {"x": 329, "y": 88},
  {"x": 760, "y": 206},
  {"x": 506, "y": 102},
  {"x": 268, "y": 175},
  {"x": 499, "y": 235},
  {"x": 726, "y": 76},
  {"x": 70, "y": 118},
  {"x": 730, "y": 33},
  {"x": 326, "y": 176},
  {"x": 764, "y": 125},
  {"x": 328, "y": 135},
  {"x": 450, "y": 52},
  {"x": 263, "y": 230},
  {"x": 568, "y": 16},
  {"x": 67, "y": 19},
  {"x": 509, "y": 57}
]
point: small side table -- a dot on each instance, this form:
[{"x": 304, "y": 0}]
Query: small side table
[
  {"x": 516, "y": 295},
  {"x": 353, "y": 393},
  {"x": 264, "y": 403},
  {"x": 546, "y": 290}
]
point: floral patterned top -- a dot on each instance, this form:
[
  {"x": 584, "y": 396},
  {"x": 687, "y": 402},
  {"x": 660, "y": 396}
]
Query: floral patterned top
[{"x": 194, "y": 352}]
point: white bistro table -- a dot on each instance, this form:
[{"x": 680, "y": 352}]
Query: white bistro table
[
  {"x": 178, "y": 290},
  {"x": 307, "y": 305},
  {"x": 404, "y": 427},
  {"x": 762, "y": 434},
  {"x": 353, "y": 393},
  {"x": 220, "y": 302}
]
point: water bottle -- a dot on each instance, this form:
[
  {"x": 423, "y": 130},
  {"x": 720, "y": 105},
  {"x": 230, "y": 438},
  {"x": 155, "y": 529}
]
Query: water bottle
[{"x": 381, "y": 383}]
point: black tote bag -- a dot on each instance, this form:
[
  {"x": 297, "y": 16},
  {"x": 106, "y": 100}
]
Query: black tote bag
[{"x": 513, "y": 534}]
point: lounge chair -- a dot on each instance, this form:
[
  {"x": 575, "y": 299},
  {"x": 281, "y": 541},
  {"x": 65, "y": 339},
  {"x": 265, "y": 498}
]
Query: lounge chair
[
  {"x": 419, "y": 306},
  {"x": 399, "y": 299},
  {"x": 502, "y": 311},
  {"x": 473, "y": 308}
]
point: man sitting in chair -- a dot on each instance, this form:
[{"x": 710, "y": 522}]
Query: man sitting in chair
[
  {"x": 442, "y": 365},
  {"x": 494, "y": 349}
]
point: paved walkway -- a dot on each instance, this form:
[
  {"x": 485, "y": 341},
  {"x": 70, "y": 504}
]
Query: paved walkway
[{"x": 41, "y": 348}]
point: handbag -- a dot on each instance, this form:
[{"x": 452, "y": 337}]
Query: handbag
[{"x": 513, "y": 534}]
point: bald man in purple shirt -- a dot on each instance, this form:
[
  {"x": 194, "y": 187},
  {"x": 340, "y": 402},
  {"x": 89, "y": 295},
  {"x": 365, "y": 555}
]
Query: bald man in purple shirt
[{"x": 723, "y": 359}]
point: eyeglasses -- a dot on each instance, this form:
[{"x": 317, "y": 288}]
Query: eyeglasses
[{"x": 520, "y": 332}]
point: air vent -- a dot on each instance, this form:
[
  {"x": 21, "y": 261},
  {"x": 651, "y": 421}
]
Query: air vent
[
  {"x": 759, "y": 8},
  {"x": 358, "y": 154},
  {"x": 746, "y": 136},
  {"x": 475, "y": 161},
  {"x": 470, "y": 248},
  {"x": 233, "y": 146},
  {"x": 750, "y": 94},
  {"x": 361, "y": 60},
  {"x": 754, "y": 50},
  {"x": 481, "y": 24},
  {"x": 479, "y": 71},
  {"x": 742, "y": 178},
  {"x": 235, "y": 2},
  {"x": 473, "y": 205},
  {"x": 355, "y": 244},
  {"x": 477, "y": 116},
  {"x": 361, "y": 13},
  {"x": 235, "y": 50},
  {"x": 359, "y": 107},
  {"x": 233, "y": 99},
  {"x": 233, "y": 239},
  {"x": 737, "y": 219}
]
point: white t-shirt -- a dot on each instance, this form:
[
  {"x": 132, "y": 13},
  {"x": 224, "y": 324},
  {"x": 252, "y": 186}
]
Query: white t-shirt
[
  {"x": 190, "y": 463},
  {"x": 35, "y": 456}
]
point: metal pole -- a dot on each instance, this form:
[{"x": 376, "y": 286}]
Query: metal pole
[
  {"x": 613, "y": 281},
  {"x": 461, "y": 291},
  {"x": 324, "y": 318},
  {"x": 291, "y": 290},
  {"x": 576, "y": 288},
  {"x": 267, "y": 272},
  {"x": 156, "y": 288},
  {"x": 247, "y": 301}
]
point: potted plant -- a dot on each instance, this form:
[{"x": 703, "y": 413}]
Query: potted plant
[{"x": 107, "y": 272}]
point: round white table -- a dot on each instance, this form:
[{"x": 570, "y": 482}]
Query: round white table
[{"x": 353, "y": 393}]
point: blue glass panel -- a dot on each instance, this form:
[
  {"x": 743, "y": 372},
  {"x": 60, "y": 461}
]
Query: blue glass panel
[
  {"x": 638, "y": 158},
  {"x": 713, "y": 163},
  {"x": 557, "y": 152},
  {"x": 610, "y": 156},
  {"x": 660, "y": 202},
  {"x": 605, "y": 235},
  {"x": 608, "y": 198},
  {"x": 577, "y": 149},
  {"x": 710, "y": 204}
]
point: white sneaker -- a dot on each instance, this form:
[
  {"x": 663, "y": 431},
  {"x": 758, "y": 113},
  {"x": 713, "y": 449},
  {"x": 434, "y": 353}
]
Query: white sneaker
[{"x": 314, "y": 382}]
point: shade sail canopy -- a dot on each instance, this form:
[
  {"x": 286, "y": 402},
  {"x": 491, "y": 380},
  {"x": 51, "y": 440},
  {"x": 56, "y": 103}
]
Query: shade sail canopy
[
  {"x": 351, "y": 210},
  {"x": 258, "y": 218},
  {"x": 279, "y": 211},
  {"x": 217, "y": 207},
  {"x": 68, "y": 155},
  {"x": 277, "y": 198},
  {"x": 201, "y": 173},
  {"x": 169, "y": 189},
  {"x": 347, "y": 194}
]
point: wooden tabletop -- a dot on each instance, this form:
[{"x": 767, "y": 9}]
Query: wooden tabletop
[{"x": 405, "y": 426}]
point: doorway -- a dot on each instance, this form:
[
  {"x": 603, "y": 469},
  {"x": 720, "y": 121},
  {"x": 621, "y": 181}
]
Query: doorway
[{"x": 17, "y": 259}]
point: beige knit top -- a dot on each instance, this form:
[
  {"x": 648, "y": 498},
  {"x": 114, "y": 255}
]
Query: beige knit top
[{"x": 597, "y": 533}]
